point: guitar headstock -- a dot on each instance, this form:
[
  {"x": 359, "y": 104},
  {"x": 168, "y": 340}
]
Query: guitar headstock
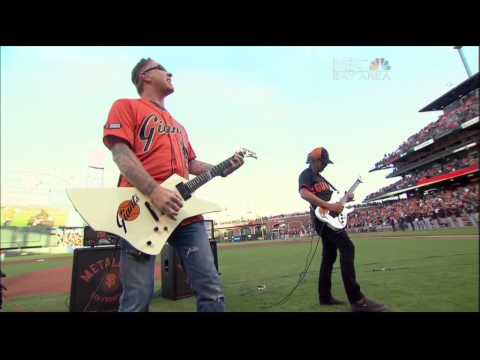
[
  {"x": 248, "y": 153},
  {"x": 359, "y": 179}
]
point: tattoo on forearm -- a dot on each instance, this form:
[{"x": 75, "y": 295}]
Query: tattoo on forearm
[
  {"x": 197, "y": 167},
  {"x": 132, "y": 168}
]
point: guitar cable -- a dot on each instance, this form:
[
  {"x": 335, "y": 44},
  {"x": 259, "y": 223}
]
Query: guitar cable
[{"x": 302, "y": 274}]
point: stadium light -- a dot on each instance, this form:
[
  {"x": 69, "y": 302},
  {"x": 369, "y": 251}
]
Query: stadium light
[{"x": 462, "y": 56}]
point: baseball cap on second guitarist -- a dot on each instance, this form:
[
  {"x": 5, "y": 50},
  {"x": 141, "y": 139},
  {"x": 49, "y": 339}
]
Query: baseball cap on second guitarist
[{"x": 319, "y": 153}]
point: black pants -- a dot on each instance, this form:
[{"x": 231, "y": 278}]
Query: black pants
[{"x": 333, "y": 240}]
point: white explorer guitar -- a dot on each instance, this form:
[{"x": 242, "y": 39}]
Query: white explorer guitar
[
  {"x": 129, "y": 214},
  {"x": 334, "y": 220}
]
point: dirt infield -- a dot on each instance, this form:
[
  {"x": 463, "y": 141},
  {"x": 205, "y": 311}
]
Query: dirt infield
[
  {"x": 28, "y": 261},
  {"x": 45, "y": 282},
  {"x": 59, "y": 280}
]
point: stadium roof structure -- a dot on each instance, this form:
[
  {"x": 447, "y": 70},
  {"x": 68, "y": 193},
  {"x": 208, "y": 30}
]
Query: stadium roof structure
[
  {"x": 441, "y": 154},
  {"x": 457, "y": 92},
  {"x": 429, "y": 181},
  {"x": 467, "y": 124},
  {"x": 392, "y": 194}
]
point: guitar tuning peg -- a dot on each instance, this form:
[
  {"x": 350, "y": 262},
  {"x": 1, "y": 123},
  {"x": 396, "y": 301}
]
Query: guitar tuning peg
[{"x": 248, "y": 153}]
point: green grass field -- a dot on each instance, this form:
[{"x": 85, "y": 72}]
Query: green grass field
[{"x": 422, "y": 272}]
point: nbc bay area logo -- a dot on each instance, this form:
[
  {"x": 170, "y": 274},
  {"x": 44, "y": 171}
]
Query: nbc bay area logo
[
  {"x": 361, "y": 69},
  {"x": 379, "y": 69},
  {"x": 380, "y": 64}
]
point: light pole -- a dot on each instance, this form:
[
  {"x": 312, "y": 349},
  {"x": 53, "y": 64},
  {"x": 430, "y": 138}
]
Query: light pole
[
  {"x": 462, "y": 56},
  {"x": 93, "y": 180},
  {"x": 96, "y": 168}
]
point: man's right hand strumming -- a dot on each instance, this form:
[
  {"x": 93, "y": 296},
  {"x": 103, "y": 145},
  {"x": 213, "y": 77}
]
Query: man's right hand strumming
[
  {"x": 335, "y": 207},
  {"x": 167, "y": 201}
]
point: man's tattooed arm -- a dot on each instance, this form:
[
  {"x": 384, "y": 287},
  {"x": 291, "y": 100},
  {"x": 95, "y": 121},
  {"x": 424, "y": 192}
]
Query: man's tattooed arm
[
  {"x": 132, "y": 168},
  {"x": 197, "y": 167}
]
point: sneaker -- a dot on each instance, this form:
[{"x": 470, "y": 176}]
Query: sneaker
[
  {"x": 367, "y": 305},
  {"x": 332, "y": 301}
]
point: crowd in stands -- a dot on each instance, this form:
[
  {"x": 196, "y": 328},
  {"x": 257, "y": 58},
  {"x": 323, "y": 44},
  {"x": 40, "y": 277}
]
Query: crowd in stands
[
  {"x": 446, "y": 208},
  {"x": 450, "y": 120},
  {"x": 72, "y": 237},
  {"x": 455, "y": 207},
  {"x": 450, "y": 165},
  {"x": 282, "y": 226},
  {"x": 261, "y": 220}
]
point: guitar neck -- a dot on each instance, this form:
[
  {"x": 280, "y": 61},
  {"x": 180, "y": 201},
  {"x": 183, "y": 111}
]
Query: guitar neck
[
  {"x": 202, "y": 179},
  {"x": 350, "y": 191}
]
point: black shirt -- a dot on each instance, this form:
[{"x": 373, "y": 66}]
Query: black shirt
[
  {"x": 314, "y": 183},
  {"x": 441, "y": 213}
]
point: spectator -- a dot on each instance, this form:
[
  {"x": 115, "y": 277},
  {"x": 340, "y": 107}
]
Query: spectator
[
  {"x": 2, "y": 287},
  {"x": 435, "y": 219},
  {"x": 457, "y": 211},
  {"x": 472, "y": 212},
  {"x": 448, "y": 216}
]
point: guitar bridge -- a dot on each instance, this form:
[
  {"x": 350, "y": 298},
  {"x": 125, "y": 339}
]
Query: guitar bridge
[{"x": 184, "y": 191}]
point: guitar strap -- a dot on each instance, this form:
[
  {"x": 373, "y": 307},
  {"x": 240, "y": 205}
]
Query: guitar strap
[{"x": 333, "y": 187}]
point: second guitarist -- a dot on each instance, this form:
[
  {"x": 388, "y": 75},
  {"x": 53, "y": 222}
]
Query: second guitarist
[
  {"x": 148, "y": 146},
  {"x": 317, "y": 191}
]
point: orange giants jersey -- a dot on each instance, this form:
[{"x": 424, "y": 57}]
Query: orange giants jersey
[{"x": 157, "y": 139}]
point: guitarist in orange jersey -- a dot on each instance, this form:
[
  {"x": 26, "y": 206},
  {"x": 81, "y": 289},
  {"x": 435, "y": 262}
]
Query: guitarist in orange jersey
[{"x": 149, "y": 145}]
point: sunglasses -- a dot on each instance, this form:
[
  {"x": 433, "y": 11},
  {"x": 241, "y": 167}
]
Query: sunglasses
[{"x": 159, "y": 67}]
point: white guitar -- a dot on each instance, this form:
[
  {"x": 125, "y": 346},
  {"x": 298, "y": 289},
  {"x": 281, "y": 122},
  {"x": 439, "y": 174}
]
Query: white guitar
[
  {"x": 129, "y": 214},
  {"x": 337, "y": 221}
]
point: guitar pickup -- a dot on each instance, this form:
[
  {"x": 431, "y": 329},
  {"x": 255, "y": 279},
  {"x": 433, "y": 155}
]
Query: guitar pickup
[
  {"x": 152, "y": 212},
  {"x": 184, "y": 191}
]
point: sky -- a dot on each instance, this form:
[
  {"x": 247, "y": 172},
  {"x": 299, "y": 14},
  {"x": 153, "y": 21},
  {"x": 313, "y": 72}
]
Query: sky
[{"x": 280, "y": 102}]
